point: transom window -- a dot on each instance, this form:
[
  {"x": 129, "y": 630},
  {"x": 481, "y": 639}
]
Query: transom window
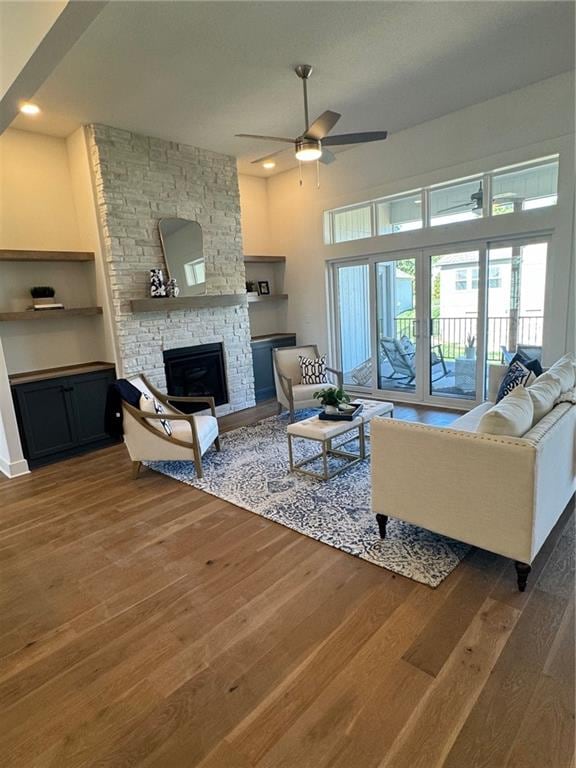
[{"x": 514, "y": 189}]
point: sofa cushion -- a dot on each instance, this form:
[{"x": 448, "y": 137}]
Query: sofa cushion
[
  {"x": 468, "y": 422},
  {"x": 544, "y": 392},
  {"x": 512, "y": 416},
  {"x": 565, "y": 370},
  {"x": 517, "y": 375}
]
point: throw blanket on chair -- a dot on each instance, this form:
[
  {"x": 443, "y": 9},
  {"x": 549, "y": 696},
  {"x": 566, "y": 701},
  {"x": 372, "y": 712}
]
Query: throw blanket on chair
[{"x": 120, "y": 390}]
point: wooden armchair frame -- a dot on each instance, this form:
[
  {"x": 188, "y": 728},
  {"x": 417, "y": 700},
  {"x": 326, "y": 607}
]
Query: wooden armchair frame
[{"x": 144, "y": 418}]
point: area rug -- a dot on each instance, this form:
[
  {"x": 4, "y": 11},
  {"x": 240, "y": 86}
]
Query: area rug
[{"x": 251, "y": 472}]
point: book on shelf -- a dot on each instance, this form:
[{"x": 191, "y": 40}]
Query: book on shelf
[{"x": 37, "y": 307}]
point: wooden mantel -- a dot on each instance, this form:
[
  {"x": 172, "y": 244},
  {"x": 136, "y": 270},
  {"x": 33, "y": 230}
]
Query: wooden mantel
[{"x": 162, "y": 304}]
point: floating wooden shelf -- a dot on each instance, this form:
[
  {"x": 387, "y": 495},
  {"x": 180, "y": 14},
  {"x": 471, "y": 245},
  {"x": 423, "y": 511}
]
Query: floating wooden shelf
[
  {"x": 187, "y": 302},
  {"x": 7, "y": 255},
  {"x": 269, "y": 297},
  {"x": 264, "y": 259},
  {"x": 50, "y": 314}
]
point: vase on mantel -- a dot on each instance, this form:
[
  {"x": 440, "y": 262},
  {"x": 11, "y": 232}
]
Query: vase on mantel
[{"x": 157, "y": 287}]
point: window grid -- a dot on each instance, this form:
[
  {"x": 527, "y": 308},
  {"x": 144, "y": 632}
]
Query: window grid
[{"x": 490, "y": 206}]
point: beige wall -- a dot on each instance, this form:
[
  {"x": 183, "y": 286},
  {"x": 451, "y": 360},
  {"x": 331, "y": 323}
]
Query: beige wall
[
  {"x": 254, "y": 215},
  {"x": 528, "y": 123}
]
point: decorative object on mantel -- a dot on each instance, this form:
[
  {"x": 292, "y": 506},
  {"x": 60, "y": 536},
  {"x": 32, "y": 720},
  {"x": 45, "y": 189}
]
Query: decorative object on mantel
[
  {"x": 157, "y": 287},
  {"x": 263, "y": 288},
  {"x": 43, "y": 296},
  {"x": 172, "y": 289}
]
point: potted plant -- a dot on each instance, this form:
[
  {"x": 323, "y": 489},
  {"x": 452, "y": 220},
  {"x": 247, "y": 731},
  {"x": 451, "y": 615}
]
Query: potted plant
[
  {"x": 332, "y": 398},
  {"x": 470, "y": 350},
  {"x": 42, "y": 294}
]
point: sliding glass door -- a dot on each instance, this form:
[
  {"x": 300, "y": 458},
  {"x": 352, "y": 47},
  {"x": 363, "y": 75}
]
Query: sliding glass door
[{"x": 426, "y": 325}]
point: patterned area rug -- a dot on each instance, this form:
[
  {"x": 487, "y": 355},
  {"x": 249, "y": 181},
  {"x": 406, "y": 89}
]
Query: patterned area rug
[{"x": 251, "y": 472}]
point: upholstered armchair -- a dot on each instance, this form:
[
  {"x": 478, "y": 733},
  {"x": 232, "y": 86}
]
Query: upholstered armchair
[
  {"x": 290, "y": 391},
  {"x": 147, "y": 437}
]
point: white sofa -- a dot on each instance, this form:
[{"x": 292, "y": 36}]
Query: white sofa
[{"x": 503, "y": 494}]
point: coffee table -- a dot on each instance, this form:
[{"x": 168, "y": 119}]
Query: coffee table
[{"x": 324, "y": 432}]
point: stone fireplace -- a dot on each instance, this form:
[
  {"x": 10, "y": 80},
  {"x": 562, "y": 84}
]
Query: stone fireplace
[{"x": 139, "y": 180}]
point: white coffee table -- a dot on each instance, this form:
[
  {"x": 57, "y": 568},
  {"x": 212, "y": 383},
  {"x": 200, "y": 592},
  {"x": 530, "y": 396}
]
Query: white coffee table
[{"x": 324, "y": 431}]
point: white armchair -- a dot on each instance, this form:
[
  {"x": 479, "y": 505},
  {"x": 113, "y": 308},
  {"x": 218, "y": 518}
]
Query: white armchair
[
  {"x": 290, "y": 392},
  {"x": 146, "y": 439}
]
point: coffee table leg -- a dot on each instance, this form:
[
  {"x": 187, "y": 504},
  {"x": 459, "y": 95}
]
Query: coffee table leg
[
  {"x": 325, "y": 459},
  {"x": 362, "y": 439},
  {"x": 290, "y": 455}
]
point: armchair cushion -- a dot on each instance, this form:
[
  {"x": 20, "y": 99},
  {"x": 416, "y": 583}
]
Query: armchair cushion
[
  {"x": 303, "y": 392},
  {"x": 313, "y": 370},
  {"x": 149, "y": 404},
  {"x": 206, "y": 426}
]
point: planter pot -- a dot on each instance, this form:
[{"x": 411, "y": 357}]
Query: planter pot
[
  {"x": 470, "y": 354},
  {"x": 330, "y": 409}
]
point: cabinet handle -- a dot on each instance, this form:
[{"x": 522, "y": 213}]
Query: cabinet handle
[{"x": 68, "y": 389}]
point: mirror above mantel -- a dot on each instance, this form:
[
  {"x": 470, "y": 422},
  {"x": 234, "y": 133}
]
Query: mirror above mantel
[{"x": 183, "y": 251}]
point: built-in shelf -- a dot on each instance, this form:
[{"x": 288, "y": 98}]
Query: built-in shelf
[
  {"x": 271, "y": 337},
  {"x": 161, "y": 304},
  {"x": 29, "y": 377},
  {"x": 269, "y": 297},
  {"x": 7, "y": 255},
  {"x": 264, "y": 259},
  {"x": 50, "y": 314}
]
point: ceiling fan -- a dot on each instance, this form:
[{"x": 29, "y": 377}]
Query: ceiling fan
[
  {"x": 475, "y": 203},
  {"x": 312, "y": 142}
]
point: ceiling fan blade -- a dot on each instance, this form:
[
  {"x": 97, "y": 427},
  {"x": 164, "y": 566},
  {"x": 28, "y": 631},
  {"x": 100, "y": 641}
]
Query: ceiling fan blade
[
  {"x": 265, "y": 138},
  {"x": 354, "y": 138},
  {"x": 268, "y": 156},
  {"x": 327, "y": 156},
  {"x": 455, "y": 207},
  {"x": 322, "y": 126}
]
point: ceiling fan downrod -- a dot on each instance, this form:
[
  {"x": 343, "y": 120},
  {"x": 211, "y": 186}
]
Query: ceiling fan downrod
[{"x": 304, "y": 71}]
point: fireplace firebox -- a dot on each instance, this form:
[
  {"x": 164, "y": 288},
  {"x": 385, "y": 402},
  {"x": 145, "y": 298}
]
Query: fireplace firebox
[{"x": 193, "y": 371}]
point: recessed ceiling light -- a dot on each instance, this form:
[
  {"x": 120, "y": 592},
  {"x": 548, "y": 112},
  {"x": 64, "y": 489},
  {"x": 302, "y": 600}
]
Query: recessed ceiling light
[
  {"x": 269, "y": 164},
  {"x": 29, "y": 109}
]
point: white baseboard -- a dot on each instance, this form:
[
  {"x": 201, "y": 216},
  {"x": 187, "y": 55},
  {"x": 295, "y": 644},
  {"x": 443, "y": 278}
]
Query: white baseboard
[{"x": 14, "y": 468}]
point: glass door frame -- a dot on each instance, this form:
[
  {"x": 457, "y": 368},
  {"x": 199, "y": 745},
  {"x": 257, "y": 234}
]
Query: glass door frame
[{"x": 421, "y": 393}]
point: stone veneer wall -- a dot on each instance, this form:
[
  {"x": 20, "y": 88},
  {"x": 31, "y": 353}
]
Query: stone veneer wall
[{"x": 140, "y": 180}]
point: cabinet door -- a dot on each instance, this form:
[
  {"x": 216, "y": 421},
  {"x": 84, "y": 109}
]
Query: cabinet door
[
  {"x": 88, "y": 397},
  {"x": 46, "y": 417},
  {"x": 264, "y": 387}
]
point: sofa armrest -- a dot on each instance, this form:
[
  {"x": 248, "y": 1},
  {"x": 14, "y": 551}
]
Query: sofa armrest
[{"x": 472, "y": 487}]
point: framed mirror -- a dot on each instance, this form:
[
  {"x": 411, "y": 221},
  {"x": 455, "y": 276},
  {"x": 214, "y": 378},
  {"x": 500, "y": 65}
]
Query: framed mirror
[{"x": 182, "y": 245}]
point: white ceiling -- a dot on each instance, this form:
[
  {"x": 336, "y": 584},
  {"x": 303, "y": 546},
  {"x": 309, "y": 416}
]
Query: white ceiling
[{"x": 199, "y": 72}]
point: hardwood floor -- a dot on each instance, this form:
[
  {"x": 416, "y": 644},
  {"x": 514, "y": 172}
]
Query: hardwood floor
[{"x": 145, "y": 623}]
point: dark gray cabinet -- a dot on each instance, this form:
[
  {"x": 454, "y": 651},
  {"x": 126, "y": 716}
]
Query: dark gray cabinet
[
  {"x": 262, "y": 347},
  {"x": 62, "y": 415}
]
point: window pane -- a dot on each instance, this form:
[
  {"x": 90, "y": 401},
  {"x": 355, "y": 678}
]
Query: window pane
[
  {"x": 396, "y": 292},
  {"x": 352, "y": 224},
  {"x": 354, "y": 320},
  {"x": 525, "y": 188},
  {"x": 516, "y": 301},
  {"x": 399, "y": 214},
  {"x": 451, "y": 204}
]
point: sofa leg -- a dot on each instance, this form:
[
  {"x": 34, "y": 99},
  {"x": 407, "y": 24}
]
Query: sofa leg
[
  {"x": 382, "y": 521},
  {"x": 280, "y": 408},
  {"x": 217, "y": 444},
  {"x": 522, "y": 571},
  {"x": 136, "y": 468}
]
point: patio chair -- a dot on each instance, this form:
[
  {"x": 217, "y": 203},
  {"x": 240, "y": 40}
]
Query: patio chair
[
  {"x": 400, "y": 354},
  {"x": 527, "y": 351}
]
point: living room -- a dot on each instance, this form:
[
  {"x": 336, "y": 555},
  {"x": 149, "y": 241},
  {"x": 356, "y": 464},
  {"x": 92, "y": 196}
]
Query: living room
[{"x": 254, "y": 497}]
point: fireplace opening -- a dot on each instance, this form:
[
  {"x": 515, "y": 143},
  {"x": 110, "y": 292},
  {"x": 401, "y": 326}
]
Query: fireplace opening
[{"x": 194, "y": 371}]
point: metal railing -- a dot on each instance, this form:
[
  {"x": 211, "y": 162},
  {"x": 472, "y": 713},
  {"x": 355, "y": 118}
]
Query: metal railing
[{"x": 452, "y": 333}]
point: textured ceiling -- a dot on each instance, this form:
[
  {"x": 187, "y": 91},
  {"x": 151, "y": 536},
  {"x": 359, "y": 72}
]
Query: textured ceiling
[{"x": 200, "y": 72}]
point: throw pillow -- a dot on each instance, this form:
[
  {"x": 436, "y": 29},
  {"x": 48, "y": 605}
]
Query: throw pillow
[
  {"x": 532, "y": 365},
  {"x": 544, "y": 392},
  {"x": 151, "y": 405},
  {"x": 517, "y": 375},
  {"x": 313, "y": 370},
  {"x": 565, "y": 370},
  {"x": 512, "y": 416}
]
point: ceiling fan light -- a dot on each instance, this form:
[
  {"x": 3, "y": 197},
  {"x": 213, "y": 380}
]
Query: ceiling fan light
[{"x": 307, "y": 151}]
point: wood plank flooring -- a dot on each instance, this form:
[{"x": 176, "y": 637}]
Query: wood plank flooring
[{"x": 145, "y": 623}]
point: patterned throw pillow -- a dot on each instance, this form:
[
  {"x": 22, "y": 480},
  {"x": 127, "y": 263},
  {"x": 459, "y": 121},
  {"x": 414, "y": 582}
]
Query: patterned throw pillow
[
  {"x": 517, "y": 375},
  {"x": 151, "y": 405},
  {"x": 313, "y": 369}
]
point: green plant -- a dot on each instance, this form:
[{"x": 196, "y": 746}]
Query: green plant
[
  {"x": 42, "y": 292},
  {"x": 332, "y": 396},
  {"x": 470, "y": 341}
]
